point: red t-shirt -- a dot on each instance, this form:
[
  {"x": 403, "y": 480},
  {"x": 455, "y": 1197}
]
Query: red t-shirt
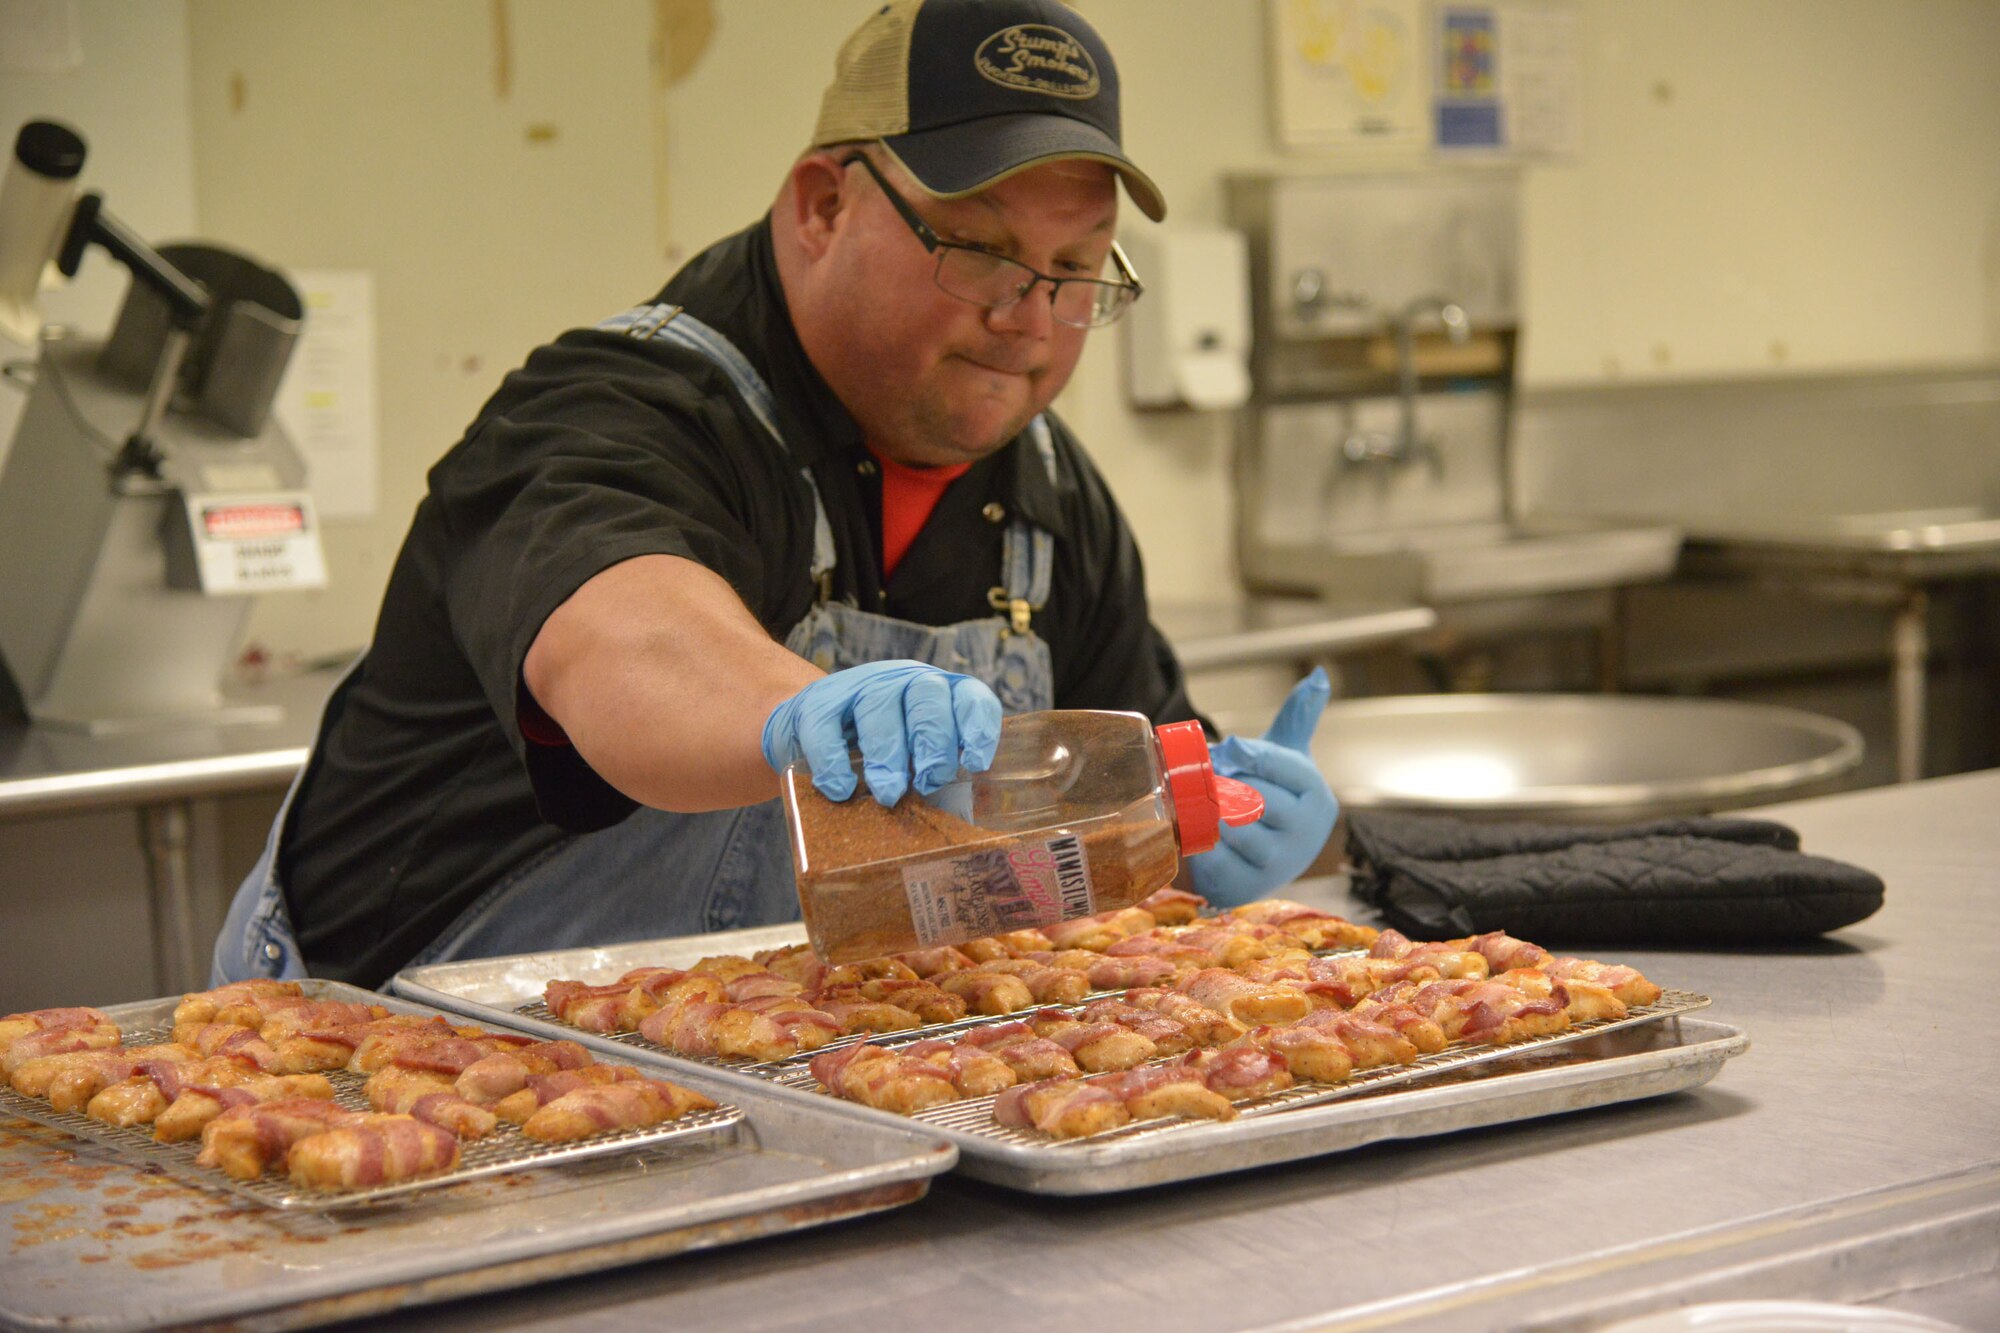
[{"x": 908, "y": 496}]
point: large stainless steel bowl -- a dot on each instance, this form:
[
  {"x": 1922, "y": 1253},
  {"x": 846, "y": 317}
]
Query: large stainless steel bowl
[{"x": 1591, "y": 757}]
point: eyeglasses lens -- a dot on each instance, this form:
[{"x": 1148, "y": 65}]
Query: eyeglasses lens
[{"x": 993, "y": 280}]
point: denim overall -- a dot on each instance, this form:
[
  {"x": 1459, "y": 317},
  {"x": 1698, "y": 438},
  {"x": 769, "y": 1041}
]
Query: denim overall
[{"x": 657, "y": 873}]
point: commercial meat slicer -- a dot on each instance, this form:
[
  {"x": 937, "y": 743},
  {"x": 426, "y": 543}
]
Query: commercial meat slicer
[{"x": 147, "y": 492}]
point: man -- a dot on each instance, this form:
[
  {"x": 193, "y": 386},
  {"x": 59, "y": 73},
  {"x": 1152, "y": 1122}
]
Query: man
[{"x": 809, "y": 499}]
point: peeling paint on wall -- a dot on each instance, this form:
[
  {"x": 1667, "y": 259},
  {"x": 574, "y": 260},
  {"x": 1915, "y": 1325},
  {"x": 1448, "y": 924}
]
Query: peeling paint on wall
[
  {"x": 681, "y": 33},
  {"x": 503, "y": 51}
]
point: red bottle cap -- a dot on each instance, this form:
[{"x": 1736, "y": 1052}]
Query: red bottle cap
[{"x": 1202, "y": 800}]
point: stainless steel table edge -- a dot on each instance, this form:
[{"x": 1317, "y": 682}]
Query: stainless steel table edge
[
  {"x": 391, "y": 1279},
  {"x": 1193, "y": 1150}
]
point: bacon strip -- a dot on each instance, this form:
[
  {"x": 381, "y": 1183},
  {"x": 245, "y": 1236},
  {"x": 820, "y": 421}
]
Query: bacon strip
[{"x": 372, "y": 1150}]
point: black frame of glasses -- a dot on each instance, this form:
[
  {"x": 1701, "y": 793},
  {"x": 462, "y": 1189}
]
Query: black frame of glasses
[{"x": 937, "y": 245}]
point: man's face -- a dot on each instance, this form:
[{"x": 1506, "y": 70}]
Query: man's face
[{"x": 932, "y": 379}]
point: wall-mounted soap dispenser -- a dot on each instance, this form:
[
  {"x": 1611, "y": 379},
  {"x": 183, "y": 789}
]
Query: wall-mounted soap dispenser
[{"x": 1187, "y": 342}]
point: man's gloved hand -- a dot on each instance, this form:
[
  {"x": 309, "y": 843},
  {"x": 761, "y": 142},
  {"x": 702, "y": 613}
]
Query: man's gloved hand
[
  {"x": 1299, "y": 808},
  {"x": 907, "y": 718}
]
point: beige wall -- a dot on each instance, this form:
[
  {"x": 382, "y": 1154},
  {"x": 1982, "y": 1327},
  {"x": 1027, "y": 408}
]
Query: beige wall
[{"x": 1789, "y": 184}]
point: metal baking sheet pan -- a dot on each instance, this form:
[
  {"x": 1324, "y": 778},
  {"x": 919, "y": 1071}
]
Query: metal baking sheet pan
[
  {"x": 1643, "y": 1057},
  {"x": 89, "y": 1239}
]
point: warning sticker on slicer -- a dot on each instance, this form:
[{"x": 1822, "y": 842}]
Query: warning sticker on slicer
[{"x": 994, "y": 890}]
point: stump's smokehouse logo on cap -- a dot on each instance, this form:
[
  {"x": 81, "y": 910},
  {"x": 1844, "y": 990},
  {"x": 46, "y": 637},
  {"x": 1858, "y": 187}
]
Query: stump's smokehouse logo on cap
[{"x": 1038, "y": 58}]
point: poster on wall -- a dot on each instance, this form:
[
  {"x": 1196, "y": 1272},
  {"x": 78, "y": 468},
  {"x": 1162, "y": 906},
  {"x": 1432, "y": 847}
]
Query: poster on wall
[
  {"x": 1506, "y": 79},
  {"x": 326, "y": 402},
  {"x": 1348, "y": 72}
]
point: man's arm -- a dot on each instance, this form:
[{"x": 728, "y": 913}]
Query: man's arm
[{"x": 663, "y": 680}]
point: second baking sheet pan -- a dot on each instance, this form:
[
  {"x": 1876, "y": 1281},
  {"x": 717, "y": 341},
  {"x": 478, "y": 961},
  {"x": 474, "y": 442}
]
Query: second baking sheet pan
[{"x": 1655, "y": 1054}]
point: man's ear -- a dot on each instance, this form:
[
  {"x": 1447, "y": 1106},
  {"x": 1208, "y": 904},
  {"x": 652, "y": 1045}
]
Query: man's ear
[{"x": 818, "y": 198}]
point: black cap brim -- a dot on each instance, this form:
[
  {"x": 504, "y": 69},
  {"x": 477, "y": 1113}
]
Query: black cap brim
[{"x": 968, "y": 157}]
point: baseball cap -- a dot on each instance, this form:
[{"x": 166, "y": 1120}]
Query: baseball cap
[{"x": 967, "y": 92}]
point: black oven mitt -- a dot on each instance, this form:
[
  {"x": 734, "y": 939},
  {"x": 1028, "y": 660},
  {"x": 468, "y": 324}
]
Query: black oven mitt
[{"x": 1674, "y": 881}]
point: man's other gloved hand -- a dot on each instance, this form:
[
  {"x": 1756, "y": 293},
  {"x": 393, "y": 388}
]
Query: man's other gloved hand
[
  {"x": 1299, "y": 808},
  {"x": 907, "y": 718}
]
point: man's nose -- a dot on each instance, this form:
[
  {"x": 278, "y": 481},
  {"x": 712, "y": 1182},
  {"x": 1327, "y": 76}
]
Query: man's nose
[{"x": 1032, "y": 316}]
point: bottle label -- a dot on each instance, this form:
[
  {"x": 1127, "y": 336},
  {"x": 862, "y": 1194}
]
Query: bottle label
[{"x": 997, "y": 889}]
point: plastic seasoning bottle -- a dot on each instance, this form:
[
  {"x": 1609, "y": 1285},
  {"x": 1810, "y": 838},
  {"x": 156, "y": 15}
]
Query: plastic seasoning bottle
[{"x": 1079, "y": 813}]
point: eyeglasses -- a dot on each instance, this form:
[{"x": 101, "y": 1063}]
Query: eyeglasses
[{"x": 984, "y": 278}]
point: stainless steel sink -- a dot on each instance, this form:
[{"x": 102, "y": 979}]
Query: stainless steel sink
[{"x": 1469, "y": 561}]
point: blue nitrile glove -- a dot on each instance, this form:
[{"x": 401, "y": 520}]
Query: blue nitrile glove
[
  {"x": 905, "y": 717},
  {"x": 1252, "y": 860}
]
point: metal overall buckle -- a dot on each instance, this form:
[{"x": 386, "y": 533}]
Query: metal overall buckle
[{"x": 1018, "y": 609}]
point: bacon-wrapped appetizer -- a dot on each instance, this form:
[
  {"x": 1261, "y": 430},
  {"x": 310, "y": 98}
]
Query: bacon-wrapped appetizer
[
  {"x": 1587, "y": 1001},
  {"x": 1013, "y": 944},
  {"x": 538, "y": 1090},
  {"x": 1096, "y": 1047},
  {"x": 400, "y": 1036},
  {"x": 1340, "y": 982},
  {"x": 1174, "y": 1090},
  {"x": 1169, "y": 1035},
  {"x": 197, "y": 1104},
  {"x": 1312, "y": 927},
  {"x": 1047, "y": 985},
  {"x": 854, "y": 1012},
  {"x": 1122, "y": 973},
  {"x": 40, "y": 1032},
  {"x": 155, "y": 1085},
  {"x": 1239, "y": 1072},
  {"x": 39, "y": 1076},
  {"x": 974, "y": 1072},
  {"x": 629, "y": 1103},
  {"x": 1308, "y": 1052},
  {"x": 1452, "y": 963},
  {"x": 1160, "y": 946},
  {"x": 246, "y": 1141},
  {"x": 1205, "y": 1025},
  {"x": 1231, "y": 944},
  {"x": 372, "y": 1150},
  {"x": 1406, "y": 1021},
  {"x": 930, "y": 962},
  {"x": 1172, "y": 907},
  {"x": 603, "y": 1008},
  {"x": 922, "y": 998},
  {"x": 84, "y": 1074},
  {"x": 887, "y": 1080},
  {"x": 214, "y": 1040},
  {"x": 1031, "y": 1057},
  {"x": 1248, "y": 1002},
  {"x": 430, "y": 1097},
  {"x": 234, "y": 1003},
  {"x": 1484, "y": 1010},
  {"x": 739, "y": 1031},
  {"x": 987, "y": 992},
  {"x": 1070, "y": 1109},
  {"x": 1098, "y": 933},
  {"x": 1502, "y": 952},
  {"x": 1369, "y": 1044},
  {"x": 502, "y": 1073},
  {"x": 1626, "y": 983}
]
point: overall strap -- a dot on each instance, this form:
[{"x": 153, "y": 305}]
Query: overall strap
[
  {"x": 1028, "y": 552},
  {"x": 661, "y": 322}
]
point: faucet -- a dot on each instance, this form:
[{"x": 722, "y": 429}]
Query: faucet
[{"x": 1365, "y": 448}]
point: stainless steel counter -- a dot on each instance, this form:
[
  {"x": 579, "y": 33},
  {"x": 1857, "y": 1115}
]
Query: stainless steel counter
[
  {"x": 1889, "y": 559},
  {"x": 1853, "y": 1154},
  {"x": 159, "y": 774},
  {"x": 1211, "y": 636}
]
